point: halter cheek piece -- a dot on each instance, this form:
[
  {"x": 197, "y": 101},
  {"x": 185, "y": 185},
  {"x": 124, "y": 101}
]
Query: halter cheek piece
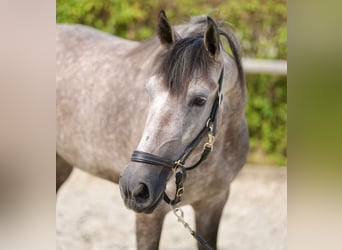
[{"x": 178, "y": 166}]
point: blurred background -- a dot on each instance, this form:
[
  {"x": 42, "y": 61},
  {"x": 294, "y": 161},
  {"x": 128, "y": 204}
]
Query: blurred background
[
  {"x": 314, "y": 139},
  {"x": 261, "y": 26}
]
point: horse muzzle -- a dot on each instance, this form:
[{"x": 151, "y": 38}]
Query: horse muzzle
[{"x": 142, "y": 186}]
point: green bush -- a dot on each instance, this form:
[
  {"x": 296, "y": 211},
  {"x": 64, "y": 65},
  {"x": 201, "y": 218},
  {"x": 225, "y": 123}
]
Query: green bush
[
  {"x": 266, "y": 116},
  {"x": 259, "y": 24}
]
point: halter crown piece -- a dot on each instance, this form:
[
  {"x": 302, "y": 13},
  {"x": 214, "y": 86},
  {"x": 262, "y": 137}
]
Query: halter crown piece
[{"x": 178, "y": 166}]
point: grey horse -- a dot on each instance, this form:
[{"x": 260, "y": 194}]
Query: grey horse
[{"x": 114, "y": 96}]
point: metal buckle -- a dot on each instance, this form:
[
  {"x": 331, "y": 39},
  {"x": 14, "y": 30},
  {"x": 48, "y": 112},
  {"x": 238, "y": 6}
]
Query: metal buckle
[
  {"x": 211, "y": 138},
  {"x": 180, "y": 192},
  {"x": 209, "y": 146},
  {"x": 210, "y": 142},
  {"x": 177, "y": 165}
]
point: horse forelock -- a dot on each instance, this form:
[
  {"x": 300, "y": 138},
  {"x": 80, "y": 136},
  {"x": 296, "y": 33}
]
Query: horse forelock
[
  {"x": 180, "y": 63},
  {"x": 188, "y": 56},
  {"x": 200, "y": 23}
]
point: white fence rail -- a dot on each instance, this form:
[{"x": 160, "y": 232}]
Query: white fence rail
[{"x": 274, "y": 67}]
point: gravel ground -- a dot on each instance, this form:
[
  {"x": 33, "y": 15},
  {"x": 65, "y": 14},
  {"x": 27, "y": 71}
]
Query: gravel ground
[{"x": 90, "y": 215}]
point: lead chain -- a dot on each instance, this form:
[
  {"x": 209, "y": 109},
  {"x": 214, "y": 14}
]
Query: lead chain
[{"x": 178, "y": 212}]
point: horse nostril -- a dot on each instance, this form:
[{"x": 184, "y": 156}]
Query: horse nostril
[{"x": 141, "y": 193}]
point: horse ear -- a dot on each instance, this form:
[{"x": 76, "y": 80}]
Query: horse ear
[
  {"x": 166, "y": 34},
  {"x": 212, "y": 38}
]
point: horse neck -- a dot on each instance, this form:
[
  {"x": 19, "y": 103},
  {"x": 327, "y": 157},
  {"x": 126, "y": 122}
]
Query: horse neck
[{"x": 145, "y": 54}]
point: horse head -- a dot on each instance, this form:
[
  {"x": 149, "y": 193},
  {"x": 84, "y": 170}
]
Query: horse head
[{"x": 182, "y": 93}]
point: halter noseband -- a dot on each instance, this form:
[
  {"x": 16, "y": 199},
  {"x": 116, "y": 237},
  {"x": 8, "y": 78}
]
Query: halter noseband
[{"x": 178, "y": 166}]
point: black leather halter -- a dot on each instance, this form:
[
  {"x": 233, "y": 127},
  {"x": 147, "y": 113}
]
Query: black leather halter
[{"x": 178, "y": 166}]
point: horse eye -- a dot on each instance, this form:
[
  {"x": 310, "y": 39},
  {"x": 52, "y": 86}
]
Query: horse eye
[{"x": 199, "y": 101}]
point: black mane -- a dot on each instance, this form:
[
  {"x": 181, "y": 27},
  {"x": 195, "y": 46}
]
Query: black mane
[
  {"x": 182, "y": 60},
  {"x": 188, "y": 56}
]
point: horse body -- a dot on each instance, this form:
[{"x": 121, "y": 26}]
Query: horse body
[
  {"x": 101, "y": 108},
  {"x": 99, "y": 105}
]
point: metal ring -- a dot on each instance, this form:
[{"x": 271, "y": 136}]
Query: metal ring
[{"x": 209, "y": 124}]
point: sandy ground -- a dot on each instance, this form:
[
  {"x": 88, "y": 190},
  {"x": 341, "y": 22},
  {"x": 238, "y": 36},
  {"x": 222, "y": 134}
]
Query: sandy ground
[{"x": 90, "y": 215}]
